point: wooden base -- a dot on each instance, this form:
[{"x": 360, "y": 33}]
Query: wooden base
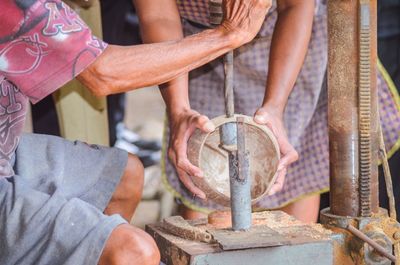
[{"x": 284, "y": 241}]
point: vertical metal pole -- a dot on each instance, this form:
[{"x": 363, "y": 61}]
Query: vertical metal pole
[
  {"x": 375, "y": 134},
  {"x": 342, "y": 107},
  {"x": 240, "y": 183},
  {"x": 364, "y": 99},
  {"x": 233, "y": 140},
  {"x": 353, "y": 128}
]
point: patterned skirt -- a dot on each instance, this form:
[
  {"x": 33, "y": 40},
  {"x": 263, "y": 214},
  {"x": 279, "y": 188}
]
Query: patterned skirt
[{"x": 305, "y": 115}]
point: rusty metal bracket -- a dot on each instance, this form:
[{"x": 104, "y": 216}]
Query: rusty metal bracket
[{"x": 381, "y": 250}]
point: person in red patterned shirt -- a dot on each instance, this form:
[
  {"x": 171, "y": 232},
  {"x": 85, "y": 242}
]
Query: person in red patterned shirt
[{"x": 67, "y": 202}]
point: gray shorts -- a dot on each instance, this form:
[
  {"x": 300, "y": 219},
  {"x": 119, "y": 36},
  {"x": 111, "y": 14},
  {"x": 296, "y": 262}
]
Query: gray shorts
[{"x": 51, "y": 211}]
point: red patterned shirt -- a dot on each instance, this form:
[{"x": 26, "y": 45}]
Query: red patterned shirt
[{"x": 43, "y": 45}]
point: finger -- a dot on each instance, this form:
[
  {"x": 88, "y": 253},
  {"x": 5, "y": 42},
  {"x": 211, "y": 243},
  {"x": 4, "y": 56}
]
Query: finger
[
  {"x": 184, "y": 164},
  {"x": 288, "y": 158},
  {"x": 181, "y": 159},
  {"x": 289, "y": 154},
  {"x": 279, "y": 182},
  {"x": 260, "y": 117},
  {"x": 203, "y": 123},
  {"x": 190, "y": 185}
]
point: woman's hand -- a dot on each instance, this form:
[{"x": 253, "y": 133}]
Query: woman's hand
[
  {"x": 273, "y": 119},
  {"x": 182, "y": 126}
]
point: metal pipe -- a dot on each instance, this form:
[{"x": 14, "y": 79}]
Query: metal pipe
[
  {"x": 233, "y": 135},
  {"x": 342, "y": 107},
  {"x": 240, "y": 182},
  {"x": 228, "y": 90},
  {"x": 381, "y": 250},
  {"x": 352, "y": 101}
]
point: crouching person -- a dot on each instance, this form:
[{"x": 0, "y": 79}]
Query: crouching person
[{"x": 67, "y": 202}]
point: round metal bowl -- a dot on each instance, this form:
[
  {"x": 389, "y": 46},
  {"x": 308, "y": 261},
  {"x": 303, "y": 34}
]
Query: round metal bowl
[{"x": 205, "y": 153}]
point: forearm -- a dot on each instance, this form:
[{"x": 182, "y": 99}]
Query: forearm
[
  {"x": 288, "y": 49},
  {"x": 121, "y": 69},
  {"x": 157, "y": 26}
]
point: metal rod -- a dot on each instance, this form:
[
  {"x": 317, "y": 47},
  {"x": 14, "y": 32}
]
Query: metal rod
[
  {"x": 388, "y": 177},
  {"x": 389, "y": 186},
  {"x": 381, "y": 250},
  {"x": 233, "y": 135},
  {"x": 374, "y": 106},
  {"x": 240, "y": 183},
  {"x": 364, "y": 107},
  {"x": 228, "y": 91}
]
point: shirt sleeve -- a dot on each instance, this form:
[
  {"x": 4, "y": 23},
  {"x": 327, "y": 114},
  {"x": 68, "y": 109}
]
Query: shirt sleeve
[{"x": 44, "y": 47}]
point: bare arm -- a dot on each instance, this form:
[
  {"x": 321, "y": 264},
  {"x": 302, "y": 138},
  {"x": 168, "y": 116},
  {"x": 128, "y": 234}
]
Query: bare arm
[
  {"x": 120, "y": 69},
  {"x": 288, "y": 49},
  {"x": 160, "y": 21}
]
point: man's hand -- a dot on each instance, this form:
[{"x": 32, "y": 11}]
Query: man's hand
[
  {"x": 273, "y": 120},
  {"x": 182, "y": 126},
  {"x": 244, "y": 17}
]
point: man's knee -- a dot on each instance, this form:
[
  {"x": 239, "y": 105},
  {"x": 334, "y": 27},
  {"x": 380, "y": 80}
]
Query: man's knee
[
  {"x": 133, "y": 178},
  {"x": 130, "y": 245}
]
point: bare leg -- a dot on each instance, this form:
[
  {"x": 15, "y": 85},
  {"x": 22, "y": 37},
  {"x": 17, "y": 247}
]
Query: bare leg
[
  {"x": 128, "y": 193},
  {"x": 305, "y": 210},
  {"x": 128, "y": 245}
]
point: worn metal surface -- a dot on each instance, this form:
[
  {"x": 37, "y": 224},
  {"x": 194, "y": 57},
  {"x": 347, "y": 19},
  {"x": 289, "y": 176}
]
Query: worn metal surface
[
  {"x": 204, "y": 151},
  {"x": 353, "y": 149},
  {"x": 239, "y": 172},
  {"x": 364, "y": 107},
  {"x": 389, "y": 190},
  {"x": 382, "y": 250},
  {"x": 228, "y": 91},
  {"x": 368, "y": 119},
  {"x": 374, "y": 185},
  {"x": 300, "y": 243},
  {"x": 342, "y": 107},
  {"x": 240, "y": 181},
  {"x": 349, "y": 248}
]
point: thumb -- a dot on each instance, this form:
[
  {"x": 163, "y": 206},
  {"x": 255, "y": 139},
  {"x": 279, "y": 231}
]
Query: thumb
[
  {"x": 203, "y": 123},
  {"x": 261, "y": 116}
]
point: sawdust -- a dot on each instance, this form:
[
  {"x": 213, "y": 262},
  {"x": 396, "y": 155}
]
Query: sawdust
[
  {"x": 275, "y": 219},
  {"x": 280, "y": 222},
  {"x": 321, "y": 229}
]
